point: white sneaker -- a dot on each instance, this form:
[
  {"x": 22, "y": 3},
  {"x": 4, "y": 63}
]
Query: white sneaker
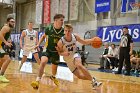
[
  {"x": 95, "y": 83},
  {"x": 116, "y": 69}
]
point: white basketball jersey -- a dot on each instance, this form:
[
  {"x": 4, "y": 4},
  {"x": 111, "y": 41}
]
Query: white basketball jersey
[
  {"x": 71, "y": 47},
  {"x": 30, "y": 38}
]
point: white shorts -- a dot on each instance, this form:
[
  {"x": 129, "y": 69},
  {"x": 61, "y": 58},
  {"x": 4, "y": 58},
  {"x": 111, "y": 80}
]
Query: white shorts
[
  {"x": 70, "y": 60},
  {"x": 26, "y": 51}
]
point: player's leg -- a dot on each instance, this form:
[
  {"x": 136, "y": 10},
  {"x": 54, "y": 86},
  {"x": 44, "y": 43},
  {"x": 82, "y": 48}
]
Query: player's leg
[
  {"x": 85, "y": 73},
  {"x": 4, "y": 66},
  {"x": 26, "y": 53},
  {"x": 80, "y": 67},
  {"x": 53, "y": 76},
  {"x": 55, "y": 61},
  {"x": 24, "y": 58},
  {"x": 80, "y": 75},
  {"x": 44, "y": 60},
  {"x": 1, "y": 62},
  {"x": 77, "y": 72},
  {"x": 36, "y": 56}
]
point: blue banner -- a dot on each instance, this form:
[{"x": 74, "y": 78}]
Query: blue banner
[
  {"x": 127, "y": 5},
  {"x": 102, "y": 6},
  {"x": 130, "y": 4},
  {"x": 113, "y": 33}
]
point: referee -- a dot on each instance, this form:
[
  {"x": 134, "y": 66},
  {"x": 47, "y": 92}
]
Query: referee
[{"x": 126, "y": 47}]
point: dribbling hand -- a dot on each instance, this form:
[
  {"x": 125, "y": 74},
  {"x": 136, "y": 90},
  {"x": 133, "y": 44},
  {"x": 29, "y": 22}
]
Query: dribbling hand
[{"x": 8, "y": 44}]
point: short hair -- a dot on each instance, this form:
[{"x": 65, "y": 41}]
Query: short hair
[
  {"x": 125, "y": 27},
  {"x": 9, "y": 18},
  {"x": 29, "y": 22},
  {"x": 106, "y": 43},
  {"x": 69, "y": 26},
  {"x": 113, "y": 44},
  {"x": 57, "y": 16}
]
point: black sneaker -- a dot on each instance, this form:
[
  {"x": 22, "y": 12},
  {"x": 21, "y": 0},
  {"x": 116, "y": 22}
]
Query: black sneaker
[
  {"x": 118, "y": 72},
  {"x": 101, "y": 68},
  {"x": 127, "y": 73}
]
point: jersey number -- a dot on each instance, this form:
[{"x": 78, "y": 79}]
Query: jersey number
[
  {"x": 70, "y": 49},
  {"x": 31, "y": 38}
]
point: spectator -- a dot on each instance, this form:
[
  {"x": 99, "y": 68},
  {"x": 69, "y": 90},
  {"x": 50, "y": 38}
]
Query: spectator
[
  {"x": 135, "y": 62},
  {"x": 113, "y": 56},
  {"x": 103, "y": 57}
]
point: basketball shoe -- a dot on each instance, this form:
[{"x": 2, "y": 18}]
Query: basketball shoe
[
  {"x": 95, "y": 83},
  {"x": 56, "y": 82},
  {"x": 35, "y": 84},
  {"x": 3, "y": 79}
]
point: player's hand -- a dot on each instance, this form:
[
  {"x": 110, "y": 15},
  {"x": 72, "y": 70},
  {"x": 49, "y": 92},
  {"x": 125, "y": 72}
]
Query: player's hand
[
  {"x": 8, "y": 44},
  {"x": 92, "y": 40},
  {"x": 58, "y": 49},
  {"x": 38, "y": 49},
  {"x": 36, "y": 46}
]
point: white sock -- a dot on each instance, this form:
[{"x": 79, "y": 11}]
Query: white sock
[
  {"x": 93, "y": 80},
  {"x": 38, "y": 78}
]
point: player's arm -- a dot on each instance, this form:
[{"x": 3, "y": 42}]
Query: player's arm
[
  {"x": 41, "y": 39},
  {"x": 23, "y": 34},
  {"x": 82, "y": 41},
  {"x": 43, "y": 36},
  {"x": 59, "y": 49},
  {"x": 36, "y": 37},
  {"x": 3, "y": 31}
]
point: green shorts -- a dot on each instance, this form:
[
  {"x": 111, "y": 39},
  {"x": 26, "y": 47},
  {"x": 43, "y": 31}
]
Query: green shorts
[{"x": 52, "y": 55}]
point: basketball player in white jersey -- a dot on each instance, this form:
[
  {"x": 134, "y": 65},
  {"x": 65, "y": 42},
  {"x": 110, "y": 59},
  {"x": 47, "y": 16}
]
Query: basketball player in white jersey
[
  {"x": 68, "y": 49},
  {"x": 30, "y": 37}
]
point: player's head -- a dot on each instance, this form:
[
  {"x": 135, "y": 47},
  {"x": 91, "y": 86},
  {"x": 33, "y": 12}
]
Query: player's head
[
  {"x": 30, "y": 25},
  {"x": 68, "y": 29},
  {"x": 113, "y": 46},
  {"x": 59, "y": 20},
  {"x": 11, "y": 22},
  {"x": 106, "y": 44},
  {"x": 125, "y": 30}
]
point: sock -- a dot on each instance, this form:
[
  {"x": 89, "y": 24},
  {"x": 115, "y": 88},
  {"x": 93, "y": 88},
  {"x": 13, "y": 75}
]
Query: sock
[
  {"x": 38, "y": 78},
  {"x": 93, "y": 80}
]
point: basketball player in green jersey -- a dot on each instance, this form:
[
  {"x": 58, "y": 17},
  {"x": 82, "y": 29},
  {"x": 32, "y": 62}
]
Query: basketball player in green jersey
[
  {"x": 53, "y": 32},
  {"x": 4, "y": 56}
]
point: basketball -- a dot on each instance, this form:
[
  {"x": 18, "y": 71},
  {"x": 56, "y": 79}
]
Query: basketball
[{"x": 97, "y": 42}]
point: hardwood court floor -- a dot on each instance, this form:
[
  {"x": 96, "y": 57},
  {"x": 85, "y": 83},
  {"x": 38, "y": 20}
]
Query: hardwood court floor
[{"x": 20, "y": 83}]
